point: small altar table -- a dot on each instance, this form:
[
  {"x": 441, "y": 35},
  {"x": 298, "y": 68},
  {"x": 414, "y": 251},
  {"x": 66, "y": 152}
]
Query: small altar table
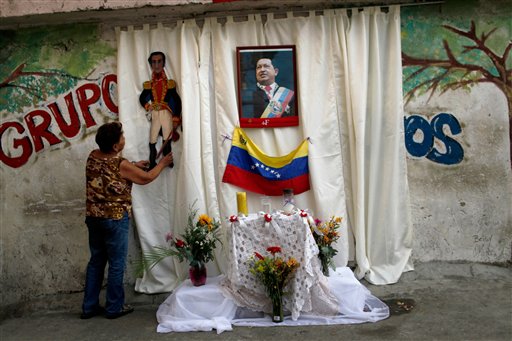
[
  {"x": 237, "y": 298},
  {"x": 307, "y": 291}
]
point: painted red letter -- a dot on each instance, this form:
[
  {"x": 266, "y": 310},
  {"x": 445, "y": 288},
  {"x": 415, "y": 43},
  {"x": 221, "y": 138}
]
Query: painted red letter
[
  {"x": 106, "y": 93},
  {"x": 24, "y": 143},
  {"x": 71, "y": 129},
  {"x": 40, "y": 130},
  {"x": 85, "y": 101}
]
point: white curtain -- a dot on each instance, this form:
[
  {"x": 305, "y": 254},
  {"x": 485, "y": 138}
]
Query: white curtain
[
  {"x": 371, "y": 119},
  {"x": 163, "y": 205},
  {"x": 349, "y": 85}
]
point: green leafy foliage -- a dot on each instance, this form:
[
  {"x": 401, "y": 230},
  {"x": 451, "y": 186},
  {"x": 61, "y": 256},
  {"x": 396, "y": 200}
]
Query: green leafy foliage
[
  {"x": 469, "y": 47},
  {"x": 325, "y": 234},
  {"x": 196, "y": 245},
  {"x": 273, "y": 271},
  {"x": 40, "y": 63}
]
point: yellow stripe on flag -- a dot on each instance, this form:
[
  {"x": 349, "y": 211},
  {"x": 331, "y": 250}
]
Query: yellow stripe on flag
[{"x": 241, "y": 140}]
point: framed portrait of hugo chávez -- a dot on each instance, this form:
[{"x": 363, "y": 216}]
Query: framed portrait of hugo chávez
[{"x": 267, "y": 86}]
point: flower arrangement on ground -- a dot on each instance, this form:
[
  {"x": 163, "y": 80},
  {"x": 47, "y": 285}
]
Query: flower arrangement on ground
[
  {"x": 325, "y": 234},
  {"x": 196, "y": 246},
  {"x": 274, "y": 273}
]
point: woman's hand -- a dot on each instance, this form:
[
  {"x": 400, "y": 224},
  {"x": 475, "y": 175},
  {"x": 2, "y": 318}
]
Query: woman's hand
[
  {"x": 167, "y": 159},
  {"x": 142, "y": 164}
]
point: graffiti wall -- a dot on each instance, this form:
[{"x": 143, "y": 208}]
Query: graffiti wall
[
  {"x": 50, "y": 88},
  {"x": 57, "y": 85},
  {"x": 458, "y": 93}
]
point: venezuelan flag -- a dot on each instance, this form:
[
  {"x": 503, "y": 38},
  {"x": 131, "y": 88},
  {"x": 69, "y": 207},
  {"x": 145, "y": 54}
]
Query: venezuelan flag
[{"x": 248, "y": 167}]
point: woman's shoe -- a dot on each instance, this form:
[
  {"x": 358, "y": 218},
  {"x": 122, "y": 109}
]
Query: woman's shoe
[
  {"x": 98, "y": 311},
  {"x": 126, "y": 309}
]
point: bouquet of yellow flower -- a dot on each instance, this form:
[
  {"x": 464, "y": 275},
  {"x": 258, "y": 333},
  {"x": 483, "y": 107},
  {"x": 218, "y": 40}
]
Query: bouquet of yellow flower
[
  {"x": 325, "y": 233},
  {"x": 273, "y": 272},
  {"x": 196, "y": 246}
]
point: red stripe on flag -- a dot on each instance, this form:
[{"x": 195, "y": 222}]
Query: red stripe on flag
[{"x": 258, "y": 184}]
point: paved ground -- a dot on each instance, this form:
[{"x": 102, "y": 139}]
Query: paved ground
[{"x": 437, "y": 301}]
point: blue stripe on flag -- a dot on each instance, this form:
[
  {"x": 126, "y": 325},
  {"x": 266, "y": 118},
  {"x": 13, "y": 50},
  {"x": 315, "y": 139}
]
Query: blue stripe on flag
[{"x": 239, "y": 157}]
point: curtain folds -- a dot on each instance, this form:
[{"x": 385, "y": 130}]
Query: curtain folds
[
  {"x": 350, "y": 106},
  {"x": 372, "y": 120}
]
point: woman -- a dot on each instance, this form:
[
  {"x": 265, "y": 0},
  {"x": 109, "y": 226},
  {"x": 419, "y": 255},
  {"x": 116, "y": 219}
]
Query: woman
[{"x": 109, "y": 179}]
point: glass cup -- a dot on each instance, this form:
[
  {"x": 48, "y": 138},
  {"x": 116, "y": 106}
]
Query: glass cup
[
  {"x": 288, "y": 201},
  {"x": 266, "y": 204}
]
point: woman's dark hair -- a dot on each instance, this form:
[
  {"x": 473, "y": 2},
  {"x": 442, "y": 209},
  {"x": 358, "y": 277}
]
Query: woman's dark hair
[
  {"x": 108, "y": 135},
  {"x": 156, "y": 53}
]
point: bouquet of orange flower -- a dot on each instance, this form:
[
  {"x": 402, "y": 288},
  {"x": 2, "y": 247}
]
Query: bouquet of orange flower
[
  {"x": 274, "y": 273},
  {"x": 325, "y": 233},
  {"x": 196, "y": 246}
]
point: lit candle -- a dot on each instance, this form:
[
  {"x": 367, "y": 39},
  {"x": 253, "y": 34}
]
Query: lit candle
[{"x": 241, "y": 201}]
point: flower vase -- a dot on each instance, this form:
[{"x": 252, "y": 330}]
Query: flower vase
[
  {"x": 325, "y": 265},
  {"x": 197, "y": 274},
  {"x": 277, "y": 309}
]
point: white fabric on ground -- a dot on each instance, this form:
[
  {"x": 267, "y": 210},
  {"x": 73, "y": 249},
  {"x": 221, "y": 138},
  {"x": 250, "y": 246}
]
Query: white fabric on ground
[
  {"x": 192, "y": 308},
  {"x": 205, "y": 308}
]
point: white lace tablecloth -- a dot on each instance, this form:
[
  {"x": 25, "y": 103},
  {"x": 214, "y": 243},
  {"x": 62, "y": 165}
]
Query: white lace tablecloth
[{"x": 307, "y": 292}]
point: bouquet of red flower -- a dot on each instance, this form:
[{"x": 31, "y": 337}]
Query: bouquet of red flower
[
  {"x": 196, "y": 246},
  {"x": 325, "y": 233},
  {"x": 273, "y": 272}
]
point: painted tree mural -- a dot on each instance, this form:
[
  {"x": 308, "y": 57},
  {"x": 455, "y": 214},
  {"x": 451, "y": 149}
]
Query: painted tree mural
[
  {"x": 469, "y": 59},
  {"x": 39, "y": 63}
]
